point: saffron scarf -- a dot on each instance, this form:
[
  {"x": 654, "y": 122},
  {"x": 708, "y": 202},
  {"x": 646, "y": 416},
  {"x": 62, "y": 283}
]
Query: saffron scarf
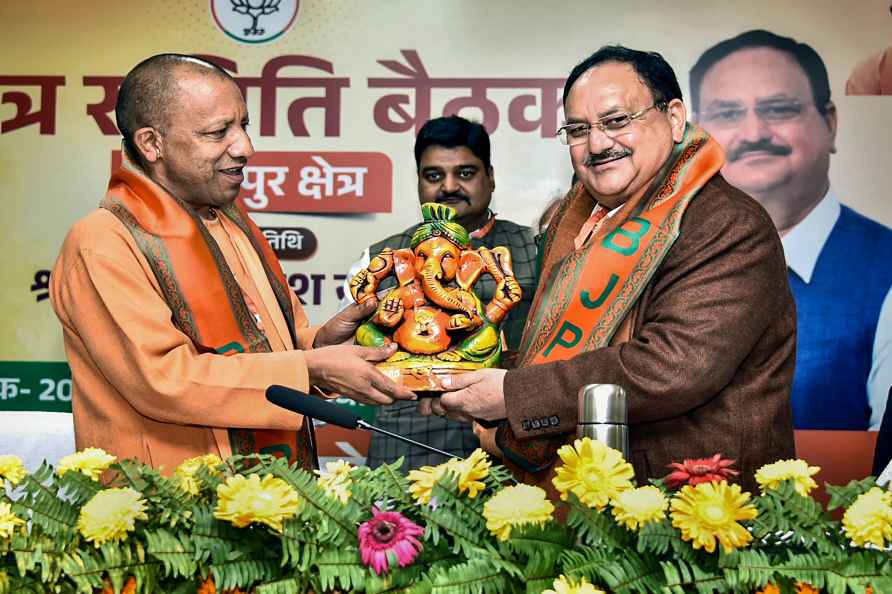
[
  {"x": 586, "y": 293},
  {"x": 198, "y": 285}
]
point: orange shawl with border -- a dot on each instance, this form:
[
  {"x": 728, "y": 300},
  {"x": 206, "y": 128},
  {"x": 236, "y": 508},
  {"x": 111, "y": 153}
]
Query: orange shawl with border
[{"x": 206, "y": 301}]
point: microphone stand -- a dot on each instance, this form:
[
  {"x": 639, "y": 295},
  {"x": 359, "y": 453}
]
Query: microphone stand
[{"x": 424, "y": 446}]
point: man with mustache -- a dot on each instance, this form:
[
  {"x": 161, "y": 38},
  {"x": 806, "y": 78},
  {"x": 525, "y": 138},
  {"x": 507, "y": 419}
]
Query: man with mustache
[
  {"x": 766, "y": 99},
  {"x": 175, "y": 312},
  {"x": 452, "y": 156},
  {"x": 658, "y": 276}
]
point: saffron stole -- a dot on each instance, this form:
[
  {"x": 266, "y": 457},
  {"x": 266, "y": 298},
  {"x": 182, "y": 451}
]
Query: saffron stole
[{"x": 588, "y": 294}]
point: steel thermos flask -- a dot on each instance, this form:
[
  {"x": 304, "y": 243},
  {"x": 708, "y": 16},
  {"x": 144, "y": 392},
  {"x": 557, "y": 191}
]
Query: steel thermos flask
[{"x": 604, "y": 415}]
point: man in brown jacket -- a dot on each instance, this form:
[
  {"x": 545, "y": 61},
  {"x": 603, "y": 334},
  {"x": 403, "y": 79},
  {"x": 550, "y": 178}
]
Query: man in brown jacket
[{"x": 657, "y": 276}]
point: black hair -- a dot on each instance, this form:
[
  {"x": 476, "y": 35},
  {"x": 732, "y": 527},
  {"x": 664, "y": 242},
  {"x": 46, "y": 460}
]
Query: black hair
[
  {"x": 454, "y": 131},
  {"x": 805, "y": 55},
  {"x": 653, "y": 70},
  {"x": 149, "y": 89}
]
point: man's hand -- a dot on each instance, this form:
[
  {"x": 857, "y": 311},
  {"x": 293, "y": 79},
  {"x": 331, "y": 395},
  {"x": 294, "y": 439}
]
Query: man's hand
[
  {"x": 475, "y": 395},
  {"x": 487, "y": 439},
  {"x": 346, "y": 370},
  {"x": 343, "y": 325}
]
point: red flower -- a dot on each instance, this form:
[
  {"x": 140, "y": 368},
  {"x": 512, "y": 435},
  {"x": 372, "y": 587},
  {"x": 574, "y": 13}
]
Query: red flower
[
  {"x": 388, "y": 535},
  {"x": 703, "y": 470}
]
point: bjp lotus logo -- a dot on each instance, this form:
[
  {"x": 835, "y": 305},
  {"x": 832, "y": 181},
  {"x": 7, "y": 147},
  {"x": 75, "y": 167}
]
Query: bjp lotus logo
[{"x": 254, "y": 21}]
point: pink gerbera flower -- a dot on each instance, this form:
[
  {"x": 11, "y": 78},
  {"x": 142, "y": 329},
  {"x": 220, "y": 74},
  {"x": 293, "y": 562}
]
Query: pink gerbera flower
[
  {"x": 703, "y": 470},
  {"x": 388, "y": 535}
]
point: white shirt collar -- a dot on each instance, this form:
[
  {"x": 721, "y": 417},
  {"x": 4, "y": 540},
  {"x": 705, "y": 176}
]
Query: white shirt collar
[{"x": 804, "y": 242}]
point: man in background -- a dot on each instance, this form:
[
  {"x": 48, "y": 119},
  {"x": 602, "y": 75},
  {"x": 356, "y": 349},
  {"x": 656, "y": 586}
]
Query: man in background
[
  {"x": 766, "y": 99},
  {"x": 452, "y": 158}
]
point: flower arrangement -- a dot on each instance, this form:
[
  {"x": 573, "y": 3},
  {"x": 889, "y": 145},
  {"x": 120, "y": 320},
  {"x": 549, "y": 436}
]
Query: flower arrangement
[{"x": 255, "y": 525}]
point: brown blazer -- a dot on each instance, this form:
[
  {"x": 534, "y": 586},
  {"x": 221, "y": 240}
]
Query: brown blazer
[{"x": 707, "y": 360}]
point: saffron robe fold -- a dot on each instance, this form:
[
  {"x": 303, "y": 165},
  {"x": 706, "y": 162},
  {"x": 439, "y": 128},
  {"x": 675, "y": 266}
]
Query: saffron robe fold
[{"x": 164, "y": 346}]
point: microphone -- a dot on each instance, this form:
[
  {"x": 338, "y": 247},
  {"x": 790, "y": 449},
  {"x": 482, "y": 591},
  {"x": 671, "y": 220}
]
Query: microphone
[{"x": 317, "y": 408}]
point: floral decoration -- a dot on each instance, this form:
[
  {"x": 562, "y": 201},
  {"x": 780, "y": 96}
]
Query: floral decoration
[
  {"x": 388, "y": 534},
  {"x": 797, "y": 471},
  {"x": 707, "y": 512},
  {"x": 111, "y": 514},
  {"x": 700, "y": 470},
  {"x": 257, "y": 525},
  {"x": 335, "y": 479},
  {"x": 593, "y": 472},
  {"x": 186, "y": 471},
  {"x": 637, "y": 507},
  {"x": 869, "y": 519},
  {"x": 91, "y": 462},
  {"x": 11, "y": 469},
  {"x": 516, "y": 506},
  {"x": 243, "y": 500}
]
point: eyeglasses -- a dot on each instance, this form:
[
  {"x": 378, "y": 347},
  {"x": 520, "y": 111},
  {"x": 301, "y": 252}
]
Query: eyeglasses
[
  {"x": 577, "y": 133},
  {"x": 770, "y": 112}
]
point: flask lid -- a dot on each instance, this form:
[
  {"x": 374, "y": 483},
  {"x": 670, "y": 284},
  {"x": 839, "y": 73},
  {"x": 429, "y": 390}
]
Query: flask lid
[{"x": 603, "y": 403}]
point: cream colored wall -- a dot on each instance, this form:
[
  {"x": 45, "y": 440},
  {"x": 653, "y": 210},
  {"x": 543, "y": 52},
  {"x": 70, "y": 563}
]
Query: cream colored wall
[{"x": 49, "y": 181}]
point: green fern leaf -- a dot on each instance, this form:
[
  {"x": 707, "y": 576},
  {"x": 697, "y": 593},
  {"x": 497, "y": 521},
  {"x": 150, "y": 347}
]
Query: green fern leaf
[
  {"x": 175, "y": 551},
  {"x": 595, "y": 528},
  {"x": 476, "y": 576},
  {"x": 683, "y": 576},
  {"x": 844, "y": 496},
  {"x": 340, "y": 568},
  {"x": 584, "y": 562},
  {"x": 283, "y": 586},
  {"x": 243, "y": 573}
]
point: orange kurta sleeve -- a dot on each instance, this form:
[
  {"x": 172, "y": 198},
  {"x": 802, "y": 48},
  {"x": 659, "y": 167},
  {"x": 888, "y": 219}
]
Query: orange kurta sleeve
[{"x": 126, "y": 352}]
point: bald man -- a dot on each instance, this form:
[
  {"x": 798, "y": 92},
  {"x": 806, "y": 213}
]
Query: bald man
[{"x": 175, "y": 313}]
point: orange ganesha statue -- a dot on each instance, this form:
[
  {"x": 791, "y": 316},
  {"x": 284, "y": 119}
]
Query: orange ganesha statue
[{"x": 433, "y": 314}]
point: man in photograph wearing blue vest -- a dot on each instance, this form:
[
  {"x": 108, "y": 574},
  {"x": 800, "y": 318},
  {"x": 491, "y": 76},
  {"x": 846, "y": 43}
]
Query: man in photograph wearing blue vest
[{"x": 766, "y": 100}]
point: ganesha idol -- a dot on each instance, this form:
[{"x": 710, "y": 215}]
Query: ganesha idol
[{"x": 433, "y": 314}]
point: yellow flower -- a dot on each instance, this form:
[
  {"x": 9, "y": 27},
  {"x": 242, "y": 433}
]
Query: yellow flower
[
  {"x": 771, "y": 476},
  {"x": 869, "y": 519},
  {"x": 564, "y": 586},
  {"x": 12, "y": 469},
  {"x": 637, "y": 507},
  {"x": 470, "y": 471},
  {"x": 8, "y": 521},
  {"x": 592, "y": 471},
  {"x": 110, "y": 515},
  {"x": 270, "y": 500},
  {"x": 185, "y": 472},
  {"x": 515, "y": 506},
  {"x": 423, "y": 480},
  {"x": 91, "y": 462},
  {"x": 335, "y": 479},
  {"x": 710, "y": 511}
]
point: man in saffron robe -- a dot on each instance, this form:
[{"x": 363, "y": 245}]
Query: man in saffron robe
[
  {"x": 657, "y": 276},
  {"x": 176, "y": 314}
]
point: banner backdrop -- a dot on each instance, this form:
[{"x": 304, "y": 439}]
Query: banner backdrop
[{"x": 336, "y": 92}]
